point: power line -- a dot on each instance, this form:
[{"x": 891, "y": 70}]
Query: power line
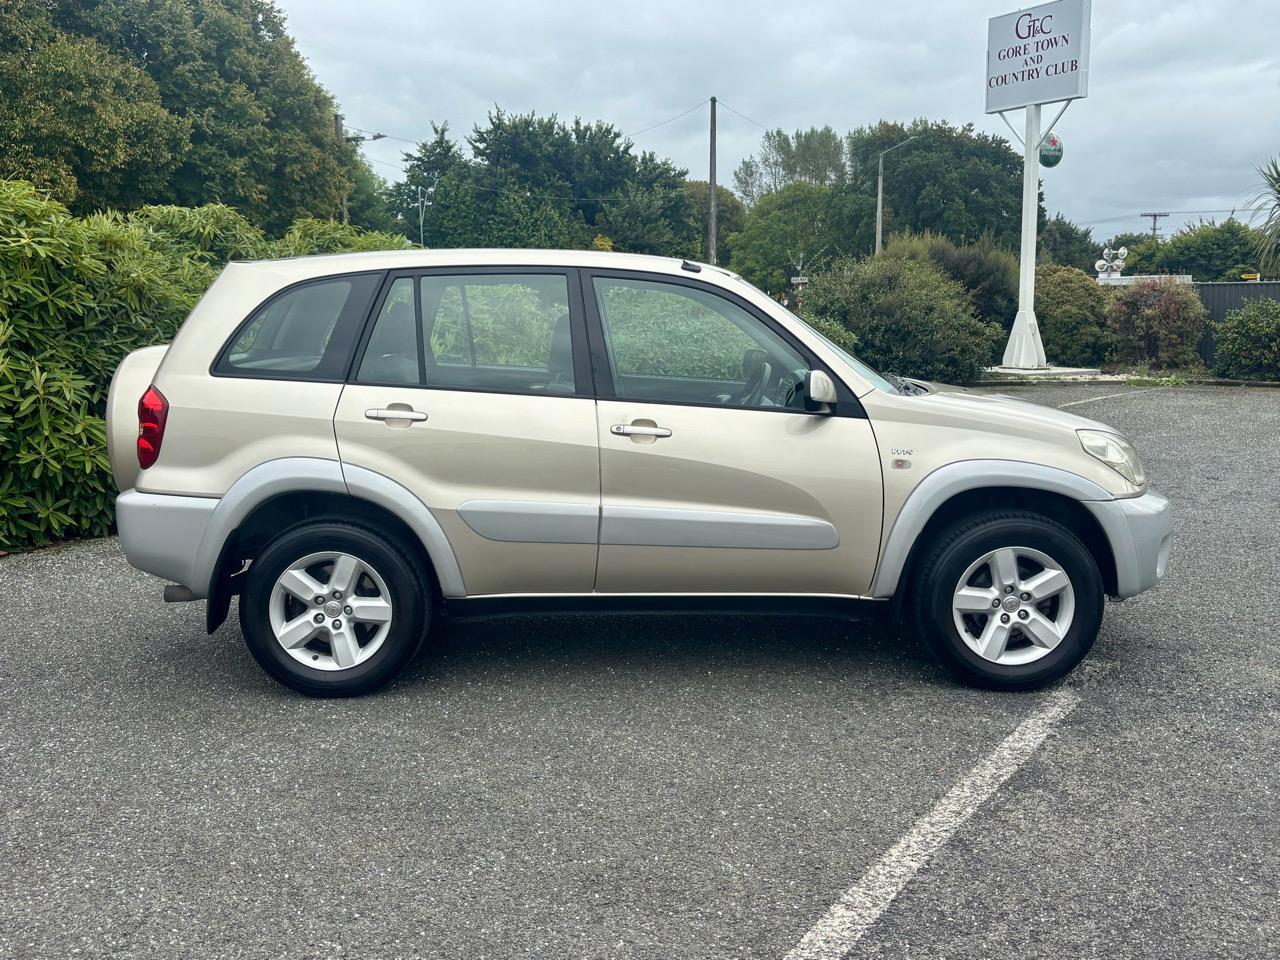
[
  {"x": 669, "y": 119},
  {"x": 743, "y": 116}
]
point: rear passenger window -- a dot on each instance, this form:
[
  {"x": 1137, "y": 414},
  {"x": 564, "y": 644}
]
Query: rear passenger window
[
  {"x": 493, "y": 332},
  {"x": 305, "y": 333}
]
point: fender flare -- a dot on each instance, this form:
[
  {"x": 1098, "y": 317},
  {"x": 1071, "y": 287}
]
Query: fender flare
[
  {"x": 312, "y": 474},
  {"x": 954, "y": 478}
]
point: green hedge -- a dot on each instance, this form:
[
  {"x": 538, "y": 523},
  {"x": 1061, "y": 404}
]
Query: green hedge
[
  {"x": 908, "y": 317},
  {"x": 1247, "y": 342},
  {"x": 1071, "y": 309},
  {"x": 76, "y": 295}
]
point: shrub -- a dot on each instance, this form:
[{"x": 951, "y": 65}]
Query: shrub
[
  {"x": 76, "y": 295},
  {"x": 1071, "y": 308},
  {"x": 307, "y": 236},
  {"x": 1248, "y": 342},
  {"x": 1157, "y": 322},
  {"x": 989, "y": 273},
  {"x": 908, "y": 317}
]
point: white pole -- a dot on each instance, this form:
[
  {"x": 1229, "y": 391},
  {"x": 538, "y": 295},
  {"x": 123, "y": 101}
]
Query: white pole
[
  {"x": 879, "y": 203},
  {"x": 1024, "y": 350}
]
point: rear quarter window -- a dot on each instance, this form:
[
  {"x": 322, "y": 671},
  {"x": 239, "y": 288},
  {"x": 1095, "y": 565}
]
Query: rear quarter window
[{"x": 305, "y": 332}]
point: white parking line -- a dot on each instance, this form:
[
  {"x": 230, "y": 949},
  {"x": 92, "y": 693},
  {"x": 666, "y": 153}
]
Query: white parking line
[
  {"x": 1110, "y": 396},
  {"x": 848, "y": 920}
]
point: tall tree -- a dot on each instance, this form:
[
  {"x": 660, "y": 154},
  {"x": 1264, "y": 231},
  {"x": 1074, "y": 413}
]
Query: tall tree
[
  {"x": 1064, "y": 243},
  {"x": 201, "y": 100},
  {"x": 953, "y": 181},
  {"x": 537, "y": 181}
]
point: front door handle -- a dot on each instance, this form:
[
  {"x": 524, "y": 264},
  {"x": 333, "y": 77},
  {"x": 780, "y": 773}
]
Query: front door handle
[
  {"x": 391, "y": 413},
  {"x": 638, "y": 430}
]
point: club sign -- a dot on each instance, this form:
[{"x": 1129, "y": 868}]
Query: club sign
[{"x": 1038, "y": 55}]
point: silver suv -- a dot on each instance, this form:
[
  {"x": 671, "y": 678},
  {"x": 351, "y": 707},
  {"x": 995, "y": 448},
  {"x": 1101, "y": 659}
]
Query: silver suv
[{"x": 358, "y": 445}]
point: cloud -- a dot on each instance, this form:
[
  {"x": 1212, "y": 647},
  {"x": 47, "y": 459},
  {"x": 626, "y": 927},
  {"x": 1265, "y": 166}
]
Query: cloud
[{"x": 1184, "y": 96}]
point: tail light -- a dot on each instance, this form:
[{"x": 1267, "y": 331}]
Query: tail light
[{"x": 153, "y": 411}]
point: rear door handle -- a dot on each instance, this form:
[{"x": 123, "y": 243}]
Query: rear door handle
[
  {"x": 383, "y": 413},
  {"x": 638, "y": 430}
]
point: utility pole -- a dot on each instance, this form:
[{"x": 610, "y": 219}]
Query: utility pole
[
  {"x": 880, "y": 192},
  {"x": 1155, "y": 219},
  {"x": 357, "y": 139},
  {"x": 711, "y": 220},
  {"x": 341, "y": 135}
]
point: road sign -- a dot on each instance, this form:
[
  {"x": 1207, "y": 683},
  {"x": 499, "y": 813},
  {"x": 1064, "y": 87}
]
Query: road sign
[
  {"x": 1038, "y": 55},
  {"x": 799, "y": 281}
]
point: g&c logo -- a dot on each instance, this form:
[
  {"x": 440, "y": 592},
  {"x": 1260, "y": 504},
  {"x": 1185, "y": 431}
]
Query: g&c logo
[{"x": 1028, "y": 26}]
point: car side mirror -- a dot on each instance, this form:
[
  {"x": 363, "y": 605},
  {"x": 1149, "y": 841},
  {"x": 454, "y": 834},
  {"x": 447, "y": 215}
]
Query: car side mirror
[{"x": 819, "y": 391}]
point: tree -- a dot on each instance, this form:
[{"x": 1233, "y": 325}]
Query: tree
[
  {"x": 786, "y": 228},
  {"x": 1206, "y": 251},
  {"x": 123, "y": 103},
  {"x": 1268, "y": 202},
  {"x": 1210, "y": 251},
  {"x": 85, "y": 124},
  {"x": 951, "y": 180},
  {"x": 1064, "y": 243},
  {"x": 537, "y": 181}
]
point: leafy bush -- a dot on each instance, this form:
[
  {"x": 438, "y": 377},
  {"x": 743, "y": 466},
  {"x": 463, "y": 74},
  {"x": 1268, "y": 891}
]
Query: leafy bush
[
  {"x": 1071, "y": 308},
  {"x": 76, "y": 295},
  {"x": 1247, "y": 342},
  {"x": 1157, "y": 322},
  {"x": 908, "y": 317},
  {"x": 307, "y": 237},
  {"x": 989, "y": 273}
]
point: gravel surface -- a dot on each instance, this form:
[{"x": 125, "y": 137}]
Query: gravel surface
[{"x": 680, "y": 787}]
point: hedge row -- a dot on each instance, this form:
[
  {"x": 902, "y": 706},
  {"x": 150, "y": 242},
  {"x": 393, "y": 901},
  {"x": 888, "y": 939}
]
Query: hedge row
[{"x": 76, "y": 295}]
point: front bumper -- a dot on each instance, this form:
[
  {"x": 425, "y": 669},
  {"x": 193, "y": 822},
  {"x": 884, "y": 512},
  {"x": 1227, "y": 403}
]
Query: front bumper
[
  {"x": 161, "y": 534},
  {"x": 1140, "y": 530}
]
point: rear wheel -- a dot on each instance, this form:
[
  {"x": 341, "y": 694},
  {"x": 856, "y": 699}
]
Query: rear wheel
[
  {"x": 332, "y": 608},
  {"x": 1007, "y": 599}
]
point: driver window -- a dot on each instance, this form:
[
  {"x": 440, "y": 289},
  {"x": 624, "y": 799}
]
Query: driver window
[{"x": 669, "y": 343}]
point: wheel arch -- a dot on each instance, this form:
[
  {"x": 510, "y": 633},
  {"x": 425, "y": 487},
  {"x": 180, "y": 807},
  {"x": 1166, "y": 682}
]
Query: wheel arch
[
  {"x": 959, "y": 489},
  {"x": 281, "y": 493}
]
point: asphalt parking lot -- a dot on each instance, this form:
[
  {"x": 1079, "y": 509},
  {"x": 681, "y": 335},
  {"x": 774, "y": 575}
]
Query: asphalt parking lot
[{"x": 662, "y": 788}]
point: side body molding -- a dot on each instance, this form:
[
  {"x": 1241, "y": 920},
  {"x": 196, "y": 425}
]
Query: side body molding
[
  {"x": 293, "y": 474},
  {"x": 947, "y": 481}
]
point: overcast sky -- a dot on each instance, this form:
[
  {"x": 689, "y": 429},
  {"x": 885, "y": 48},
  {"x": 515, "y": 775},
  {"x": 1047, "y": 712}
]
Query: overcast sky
[{"x": 1183, "y": 105}]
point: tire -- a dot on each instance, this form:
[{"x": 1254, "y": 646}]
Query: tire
[
  {"x": 366, "y": 652},
  {"x": 974, "y": 554}
]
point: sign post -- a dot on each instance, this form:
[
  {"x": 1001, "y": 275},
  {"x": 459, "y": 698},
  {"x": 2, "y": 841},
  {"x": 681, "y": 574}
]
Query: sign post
[{"x": 1034, "y": 56}]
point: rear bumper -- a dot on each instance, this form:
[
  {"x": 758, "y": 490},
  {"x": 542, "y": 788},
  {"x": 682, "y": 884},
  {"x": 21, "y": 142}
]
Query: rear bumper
[
  {"x": 161, "y": 534},
  {"x": 1140, "y": 530}
]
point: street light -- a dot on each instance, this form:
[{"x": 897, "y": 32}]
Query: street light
[
  {"x": 880, "y": 190},
  {"x": 423, "y": 203}
]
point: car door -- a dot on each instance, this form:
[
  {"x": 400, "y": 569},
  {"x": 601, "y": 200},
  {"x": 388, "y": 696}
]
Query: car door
[
  {"x": 471, "y": 389},
  {"x": 714, "y": 477}
]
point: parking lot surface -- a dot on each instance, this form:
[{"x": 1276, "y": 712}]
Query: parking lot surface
[{"x": 678, "y": 787}]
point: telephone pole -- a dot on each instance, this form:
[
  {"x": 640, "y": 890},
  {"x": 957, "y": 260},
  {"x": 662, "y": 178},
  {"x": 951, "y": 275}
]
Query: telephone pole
[
  {"x": 711, "y": 220},
  {"x": 341, "y": 135},
  {"x": 1155, "y": 219}
]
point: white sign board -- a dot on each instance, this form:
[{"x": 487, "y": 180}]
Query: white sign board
[{"x": 1038, "y": 55}]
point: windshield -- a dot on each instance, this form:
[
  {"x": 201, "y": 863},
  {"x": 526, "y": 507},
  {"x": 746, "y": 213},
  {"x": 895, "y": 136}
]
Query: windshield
[{"x": 872, "y": 377}]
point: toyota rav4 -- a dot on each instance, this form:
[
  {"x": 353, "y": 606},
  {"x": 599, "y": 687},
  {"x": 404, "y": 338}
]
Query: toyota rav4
[{"x": 358, "y": 445}]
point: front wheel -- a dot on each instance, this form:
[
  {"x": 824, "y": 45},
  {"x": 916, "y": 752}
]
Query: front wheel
[
  {"x": 334, "y": 609},
  {"x": 1009, "y": 600}
]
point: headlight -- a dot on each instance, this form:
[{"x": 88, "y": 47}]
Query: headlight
[{"x": 1116, "y": 452}]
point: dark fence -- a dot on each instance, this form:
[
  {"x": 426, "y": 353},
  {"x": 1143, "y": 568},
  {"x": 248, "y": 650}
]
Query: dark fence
[{"x": 1221, "y": 298}]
